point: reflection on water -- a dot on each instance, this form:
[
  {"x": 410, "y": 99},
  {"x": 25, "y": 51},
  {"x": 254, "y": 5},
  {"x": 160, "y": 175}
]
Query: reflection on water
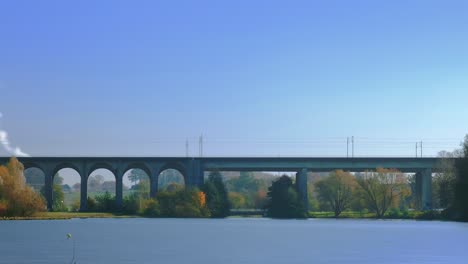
[{"x": 234, "y": 240}]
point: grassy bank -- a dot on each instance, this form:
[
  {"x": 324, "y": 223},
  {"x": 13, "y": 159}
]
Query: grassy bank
[
  {"x": 422, "y": 215},
  {"x": 418, "y": 215},
  {"x": 66, "y": 215}
]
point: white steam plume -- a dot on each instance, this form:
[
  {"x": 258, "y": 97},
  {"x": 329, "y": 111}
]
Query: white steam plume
[{"x": 6, "y": 144}]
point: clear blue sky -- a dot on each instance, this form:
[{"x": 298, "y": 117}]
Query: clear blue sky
[{"x": 255, "y": 77}]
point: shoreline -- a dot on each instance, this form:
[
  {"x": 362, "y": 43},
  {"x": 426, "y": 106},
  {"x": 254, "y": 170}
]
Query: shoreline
[{"x": 312, "y": 215}]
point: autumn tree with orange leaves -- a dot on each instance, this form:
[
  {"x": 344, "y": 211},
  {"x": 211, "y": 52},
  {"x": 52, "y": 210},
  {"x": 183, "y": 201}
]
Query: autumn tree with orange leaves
[{"x": 16, "y": 197}]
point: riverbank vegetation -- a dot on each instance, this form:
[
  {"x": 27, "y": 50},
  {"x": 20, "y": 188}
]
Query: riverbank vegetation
[
  {"x": 16, "y": 197},
  {"x": 383, "y": 193},
  {"x": 284, "y": 201},
  {"x": 173, "y": 201}
]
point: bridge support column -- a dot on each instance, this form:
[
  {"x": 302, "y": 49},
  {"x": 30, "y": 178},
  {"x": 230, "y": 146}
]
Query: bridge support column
[
  {"x": 49, "y": 188},
  {"x": 426, "y": 195},
  {"x": 195, "y": 174},
  {"x": 84, "y": 189},
  {"x": 155, "y": 170},
  {"x": 424, "y": 189},
  {"x": 301, "y": 186},
  {"x": 118, "y": 189}
]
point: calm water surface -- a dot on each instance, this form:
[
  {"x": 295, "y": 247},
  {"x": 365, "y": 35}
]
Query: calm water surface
[{"x": 233, "y": 240}]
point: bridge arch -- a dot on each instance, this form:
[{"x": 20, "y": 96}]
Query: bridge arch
[
  {"x": 170, "y": 173},
  {"x": 35, "y": 177},
  {"x": 67, "y": 181},
  {"x": 28, "y": 165},
  {"x": 66, "y": 165},
  {"x": 138, "y": 165},
  {"x": 100, "y": 165},
  {"x": 101, "y": 188},
  {"x": 136, "y": 185}
]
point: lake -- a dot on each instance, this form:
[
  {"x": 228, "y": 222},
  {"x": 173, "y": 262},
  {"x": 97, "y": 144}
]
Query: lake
[{"x": 233, "y": 240}]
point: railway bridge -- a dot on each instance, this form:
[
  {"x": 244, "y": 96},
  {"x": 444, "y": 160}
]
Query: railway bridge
[{"x": 193, "y": 170}]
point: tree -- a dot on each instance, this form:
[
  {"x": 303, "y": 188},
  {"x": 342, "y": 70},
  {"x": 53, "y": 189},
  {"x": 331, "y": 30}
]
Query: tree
[
  {"x": 108, "y": 186},
  {"x": 245, "y": 183},
  {"x": 444, "y": 181},
  {"x": 189, "y": 202},
  {"x": 336, "y": 190},
  {"x": 237, "y": 200},
  {"x": 76, "y": 187},
  {"x": 382, "y": 189},
  {"x": 283, "y": 200},
  {"x": 57, "y": 194},
  {"x": 58, "y": 197},
  {"x": 16, "y": 197},
  {"x": 94, "y": 182},
  {"x": 58, "y": 179},
  {"x": 136, "y": 175},
  {"x": 246, "y": 188},
  {"x": 461, "y": 184},
  {"x": 217, "y": 199},
  {"x": 35, "y": 178},
  {"x": 170, "y": 176}
]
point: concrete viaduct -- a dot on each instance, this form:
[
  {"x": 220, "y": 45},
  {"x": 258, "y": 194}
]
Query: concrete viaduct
[{"x": 193, "y": 170}]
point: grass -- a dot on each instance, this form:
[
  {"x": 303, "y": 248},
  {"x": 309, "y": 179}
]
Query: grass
[
  {"x": 419, "y": 215},
  {"x": 347, "y": 214},
  {"x": 66, "y": 215}
]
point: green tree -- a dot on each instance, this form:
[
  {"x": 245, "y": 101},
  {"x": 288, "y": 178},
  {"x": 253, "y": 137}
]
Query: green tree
[
  {"x": 58, "y": 197},
  {"x": 237, "y": 200},
  {"x": 217, "y": 199},
  {"x": 58, "y": 179},
  {"x": 136, "y": 176},
  {"x": 383, "y": 189},
  {"x": 461, "y": 184},
  {"x": 283, "y": 200},
  {"x": 336, "y": 190},
  {"x": 444, "y": 180},
  {"x": 245, "y": 183},
  {"x": 105, "y": 202}
]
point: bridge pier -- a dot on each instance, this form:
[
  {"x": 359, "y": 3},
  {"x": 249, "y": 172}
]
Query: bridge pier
[
  {"x": 301, "y": 187},
  {"x": 49, "y": 188},
  {"x": 195, "y": 174},
  {"x": 118, "y": 189},
  {"x": 424, "y": 189},
  {"x": 84, "y": 191},
  {"x": 155, "y": 170}
]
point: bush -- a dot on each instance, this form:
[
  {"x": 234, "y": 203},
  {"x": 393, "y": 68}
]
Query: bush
[
  {"x": 131, "y": 204},
  {"x": 151, "y": 208},
  {"x": 3, "y": 207},
  {"x": 428, "y": 215},
  {"x": 75, "y": 207},
  {"x": 395, "y": 213},
  {"x": 92, "y": 205},
  {"x": 105, "y": 202},
  {"x": 177, "y": 203}
]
